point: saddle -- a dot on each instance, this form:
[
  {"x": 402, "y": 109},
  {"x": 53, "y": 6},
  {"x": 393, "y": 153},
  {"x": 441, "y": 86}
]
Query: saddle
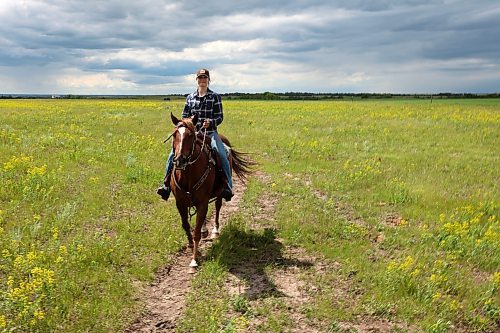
[
  {"x": 214, "y": 156},
  {"x": 220, "y": 179}
]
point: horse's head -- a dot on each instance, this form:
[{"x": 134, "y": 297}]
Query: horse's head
[{"x": 183, "y": 140}]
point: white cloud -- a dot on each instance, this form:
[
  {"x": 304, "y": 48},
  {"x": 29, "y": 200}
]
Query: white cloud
[
  {"x": 154, "y": 46},
  {"x": 152, "y": 57},
  {"x": 75, "y": 80}
]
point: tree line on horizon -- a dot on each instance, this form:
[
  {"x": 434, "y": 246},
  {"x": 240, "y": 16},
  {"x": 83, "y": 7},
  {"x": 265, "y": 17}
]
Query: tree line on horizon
[{"x": 270, "y": 96}]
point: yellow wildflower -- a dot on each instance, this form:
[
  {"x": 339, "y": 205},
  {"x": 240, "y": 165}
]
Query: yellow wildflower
[
  {"x": 31, "y": 256},
  {"x": 39, "y": 314},
  {"x": 15, "y": 161},
  {"x": 55, "y": 233},
  {"x": 407, "y": 264},
  {"x": 37, "y": 171},
  {"x": 454, "y": 305},
  {"x": 6, "y": 253},
  {"x": 496, "y": 278},
  {"x": 3, "y": 321},
  {"x": 438, "y": 278},
  {"x": 10, "y": 281},
  {"x": 241, "y": 322},
  {"x": 392, "y": 266},
  {"x": 63, "y": 250},
  {"x": 415, "y": 272},
  {"x": 491, "y": 235},
  {"x": 18, "y": 262}
]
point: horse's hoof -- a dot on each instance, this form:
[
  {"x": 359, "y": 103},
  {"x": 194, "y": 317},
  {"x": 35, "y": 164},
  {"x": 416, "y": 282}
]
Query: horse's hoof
[
  {"x": 204, "y": 234},
  {"x": 192, "y": 270},
  {"x": 215, "y": 235},
  {"x": 193, "y": 263},
  {"x": 190, "y": 245}
]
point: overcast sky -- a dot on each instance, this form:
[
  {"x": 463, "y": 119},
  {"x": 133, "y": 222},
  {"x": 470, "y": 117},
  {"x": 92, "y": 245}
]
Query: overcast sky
[{"x": 155, "y": 46}]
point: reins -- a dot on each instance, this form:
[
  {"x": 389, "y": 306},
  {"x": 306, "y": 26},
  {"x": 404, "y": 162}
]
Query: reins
[
  {"x": 202, "y": 179},
  {"x": 193, "y": 146},
  {"x": 202, "y": 147}
]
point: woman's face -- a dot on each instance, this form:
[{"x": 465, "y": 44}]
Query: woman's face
[{"x": 202, "y": 81}]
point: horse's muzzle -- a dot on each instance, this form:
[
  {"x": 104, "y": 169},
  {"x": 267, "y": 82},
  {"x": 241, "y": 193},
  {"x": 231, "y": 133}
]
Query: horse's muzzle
[{"x": 180, "y": 162}]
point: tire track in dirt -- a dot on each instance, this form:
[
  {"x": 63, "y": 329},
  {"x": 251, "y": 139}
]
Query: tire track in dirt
[{"x": 165, "y": 299}]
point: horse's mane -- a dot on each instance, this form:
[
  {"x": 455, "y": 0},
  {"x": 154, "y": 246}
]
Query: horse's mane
[{"x": 188, "y": 122}]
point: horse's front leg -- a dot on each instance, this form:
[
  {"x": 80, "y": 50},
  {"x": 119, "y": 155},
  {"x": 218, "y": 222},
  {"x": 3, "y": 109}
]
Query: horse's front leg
[
  {"x": 218, "y": 205},
  {"x": 183, "y": 212},
  {"x": 200, "y": 219}
]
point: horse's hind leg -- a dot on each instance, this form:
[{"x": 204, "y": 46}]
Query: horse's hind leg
[
  {"x": 218, "y": 205},
  {"x": 183, "y": 212},
  {"x": 204, "y": 230}
]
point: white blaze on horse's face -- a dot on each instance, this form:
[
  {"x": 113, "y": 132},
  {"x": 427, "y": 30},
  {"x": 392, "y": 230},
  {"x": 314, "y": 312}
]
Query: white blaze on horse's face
[{"x": 182, "y": 131}]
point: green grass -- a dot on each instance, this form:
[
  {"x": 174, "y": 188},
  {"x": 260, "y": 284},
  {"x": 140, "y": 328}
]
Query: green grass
[{"x": 80, "y": 223}]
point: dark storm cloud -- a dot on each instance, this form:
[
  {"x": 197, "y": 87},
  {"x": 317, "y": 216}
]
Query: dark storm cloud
[{"x": 367, "y": 44}]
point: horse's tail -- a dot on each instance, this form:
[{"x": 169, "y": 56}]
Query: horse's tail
[{"x": 242, "y": 164}]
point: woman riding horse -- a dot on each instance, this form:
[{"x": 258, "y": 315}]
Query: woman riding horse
[
  {"x": 194, "y": 179},
  {"x": 207, "y": 105}
]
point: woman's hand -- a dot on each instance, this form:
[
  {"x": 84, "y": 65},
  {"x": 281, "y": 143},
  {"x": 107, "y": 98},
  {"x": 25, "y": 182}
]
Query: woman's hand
[{"x": 206, "y": 123}]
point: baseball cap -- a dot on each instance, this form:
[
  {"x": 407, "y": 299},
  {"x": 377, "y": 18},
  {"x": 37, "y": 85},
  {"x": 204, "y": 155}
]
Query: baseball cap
[{"x": 202, "y": 71}]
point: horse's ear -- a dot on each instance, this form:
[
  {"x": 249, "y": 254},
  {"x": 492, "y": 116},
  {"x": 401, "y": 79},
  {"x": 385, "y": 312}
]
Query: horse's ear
[
  {"x": 195, "y": 119},
  {"x": 174, "y": 119}
]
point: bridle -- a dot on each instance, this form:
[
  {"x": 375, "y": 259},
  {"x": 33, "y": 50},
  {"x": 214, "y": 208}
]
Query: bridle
[{"x": 189, "y": 159}]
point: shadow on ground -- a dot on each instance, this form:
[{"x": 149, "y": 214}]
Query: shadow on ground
[{"x": 247, "y": 253}]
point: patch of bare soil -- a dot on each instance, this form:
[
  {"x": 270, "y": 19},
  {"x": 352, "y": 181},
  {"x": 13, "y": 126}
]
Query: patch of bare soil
[
  {"x": 371, "y": 324},
  {"x": 263, "y": 217},
  {"x": 293, "y": 275},
  {"x": 165, "y": 299},
  {"x": 283, "y": 272},
  {"x": 393, "y": 220},
  {"x": 279, "y": 272}
]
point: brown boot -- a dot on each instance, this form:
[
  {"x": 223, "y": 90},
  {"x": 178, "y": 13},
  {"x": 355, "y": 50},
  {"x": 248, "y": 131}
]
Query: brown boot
[
  {"x": 164, "y": 192},
  {"x": 227, "y": 194}
]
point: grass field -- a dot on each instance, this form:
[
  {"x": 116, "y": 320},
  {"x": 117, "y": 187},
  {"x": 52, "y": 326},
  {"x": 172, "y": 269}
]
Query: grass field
[{"x": 81, "y": 227}]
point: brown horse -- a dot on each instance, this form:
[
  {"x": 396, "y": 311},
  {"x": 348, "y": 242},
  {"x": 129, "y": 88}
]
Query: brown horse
[{"x": 195, "y": 177}]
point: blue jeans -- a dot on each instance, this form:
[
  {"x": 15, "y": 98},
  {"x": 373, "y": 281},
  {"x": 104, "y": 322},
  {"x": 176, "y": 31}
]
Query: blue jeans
[{"x": 217, "y": 146}]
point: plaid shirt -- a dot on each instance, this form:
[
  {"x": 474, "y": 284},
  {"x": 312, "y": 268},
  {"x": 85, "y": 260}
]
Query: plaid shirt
[{"x": 207, "y": 107}]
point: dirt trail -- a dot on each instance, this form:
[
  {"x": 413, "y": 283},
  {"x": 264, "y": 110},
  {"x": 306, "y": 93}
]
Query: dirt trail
[
  {"x": 282, "y": 274},
  {"x": 283, "y": 271},
  {"x": 165, "y": 299}
]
